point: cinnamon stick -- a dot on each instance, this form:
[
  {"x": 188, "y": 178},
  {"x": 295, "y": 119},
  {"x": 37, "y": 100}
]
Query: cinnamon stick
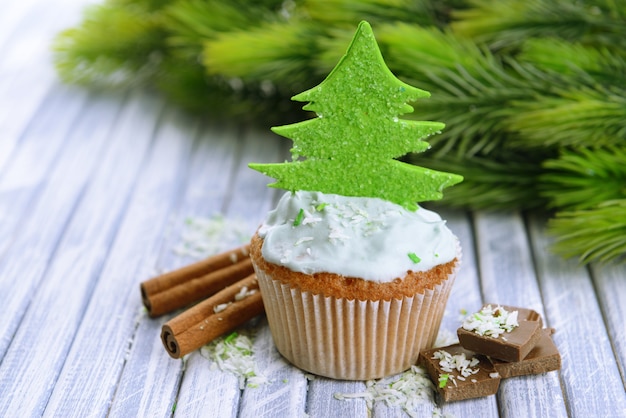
[
  {"x": 182, "y": 287},
  {"x": 200, "y": 324}
]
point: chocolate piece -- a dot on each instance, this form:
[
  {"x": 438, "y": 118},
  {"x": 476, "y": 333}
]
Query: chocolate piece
[
  {"x": 456, "y": 379},
  {"x": 543, "y": 358},
  {"x": 509, "y": 346}
]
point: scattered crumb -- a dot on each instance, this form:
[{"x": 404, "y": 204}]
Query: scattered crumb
[
  {"x": 406, "y": 390},
  {"x": 203, "y": 237},
  {"x": 437, "y": 413},
  {"x": 234, "y": 354}
]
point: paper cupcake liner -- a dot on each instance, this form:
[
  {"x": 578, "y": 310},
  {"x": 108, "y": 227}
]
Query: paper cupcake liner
[{"x": 352, "y": 339}]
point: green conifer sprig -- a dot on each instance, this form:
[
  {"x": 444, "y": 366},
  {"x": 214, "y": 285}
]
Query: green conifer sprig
[
  {"x": 498, "y": 183},
  {"x": 583, "y": 178},
  {"x": 245, "y": 53},
  {"x": 597, "y": 63},
  {"x": 506, "y": 24},
  {"x": 595, "y": 234},
  {"x": 346, "y": 13},
  {"x": 531, "y": 91},
  {"x": 89, "y": 52}
]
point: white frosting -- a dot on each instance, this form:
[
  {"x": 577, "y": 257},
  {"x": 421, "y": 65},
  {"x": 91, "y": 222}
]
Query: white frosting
[{"x": 361, "y": 237}]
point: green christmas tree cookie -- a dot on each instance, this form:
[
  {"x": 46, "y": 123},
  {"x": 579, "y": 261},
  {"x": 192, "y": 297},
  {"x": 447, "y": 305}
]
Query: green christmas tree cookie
[{"x": 351, "y": 147}]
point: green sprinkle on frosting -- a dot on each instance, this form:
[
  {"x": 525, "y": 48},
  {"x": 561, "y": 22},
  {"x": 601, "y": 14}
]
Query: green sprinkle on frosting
[
  {"x": 414, "y": 258},
  {"x": 352, "y": 147},
  {"x": 299, "y": 218},
  {"x": 320, "y": 207}
]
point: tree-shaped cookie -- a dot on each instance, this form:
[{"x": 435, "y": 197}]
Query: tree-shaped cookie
[{"x": 351, "y": 147}]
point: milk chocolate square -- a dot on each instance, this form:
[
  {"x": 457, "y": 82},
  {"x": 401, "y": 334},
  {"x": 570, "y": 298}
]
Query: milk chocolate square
[
  {"x": 543, "y": 358},
  {"x": 512, "y": 346},
  {"x": 479, "y": 378}
]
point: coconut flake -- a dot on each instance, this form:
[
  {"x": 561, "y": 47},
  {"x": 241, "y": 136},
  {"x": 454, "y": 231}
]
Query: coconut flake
[
  {"x": 491, "y": 322},
  {"x": 303, "y": 240},
  {"x": 221, "y": 307},
  {"x": 407, "y": 390},
  {"x": 234, "y": 354},
  {"x": 203, "y": 237},
  {"x": 244, "y": 293},
  {"x": 458, "y": 363}
]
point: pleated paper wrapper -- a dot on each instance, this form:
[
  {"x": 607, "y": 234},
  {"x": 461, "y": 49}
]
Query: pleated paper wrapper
[{"x": 351, "y": 339}]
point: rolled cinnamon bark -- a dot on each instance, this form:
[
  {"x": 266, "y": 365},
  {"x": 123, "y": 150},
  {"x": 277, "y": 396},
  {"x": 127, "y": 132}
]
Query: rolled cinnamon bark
[
  {"x": 200, "y": 324},
  {"x": 182, "y": 287}
]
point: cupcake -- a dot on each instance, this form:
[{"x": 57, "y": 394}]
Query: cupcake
[
  {"x": 354, "y": 274},
  {"x": 358, "y": 287}
]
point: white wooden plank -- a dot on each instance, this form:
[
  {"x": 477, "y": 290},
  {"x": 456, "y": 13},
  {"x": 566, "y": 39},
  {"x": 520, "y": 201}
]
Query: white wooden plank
[
  {"x": 12, "y": 14},
  {"x": 250, "y": 198},
  {"x": 17, "y": 109},
  {"x": 26, "y": 172},
  {"x": 285, "y": 393},
  {"x": 204, "y": 195},
  {"x": 207, "y": 390},
  {"x": 321, "y": 401},
  {"x": 150, "y": 378},
  {"x": 610, "y": 287},
  {"x": 46, "y": 332},
  {"x": 247, "y": 200},
  {"x": 206, "y": 191},
  {"x": 26, "y": 70},
  {"x": 39, "y": 233},
  {"x": 508, "y": 277},
  {"x": 590, "y": 376},
  {"x": 91, "y": 371}
]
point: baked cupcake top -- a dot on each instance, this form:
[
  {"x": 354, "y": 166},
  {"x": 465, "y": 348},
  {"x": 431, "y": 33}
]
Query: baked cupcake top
[{"x": 368, "y": 238}]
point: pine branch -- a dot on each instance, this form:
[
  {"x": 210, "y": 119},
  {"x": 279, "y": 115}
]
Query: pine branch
[
  {"x": 190, "y": 23},
  {"x": 595, "y": 234},
  {"x": 572, "y": 59},
  {"x": 471, "y": 90},
  {"x": 275, "y": 52},
  {"x": 347, "y": 14},
  {"x": 94, "y": 54},
  {"x": 583, "y": 178},
  {"x": 505, "y": 24},
  {"x": 514, "y": 80},
  {"x": 577, "y": 118},
  {"x": 502, "y": 183}
]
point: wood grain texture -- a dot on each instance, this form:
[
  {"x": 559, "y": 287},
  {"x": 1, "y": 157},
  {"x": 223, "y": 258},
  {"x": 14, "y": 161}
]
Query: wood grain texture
[
  {"x": 27, "y": 172},
  {"x": 35, "y": 237},
  {"x": 26, "y": 73},
  {"x": 58, "y": 304},
  {"x": 610, "y": 288},
  {"x": 508, "y": 278},
  {"x": 581, "y": 336},
  {"x": 137, "y": 241}
]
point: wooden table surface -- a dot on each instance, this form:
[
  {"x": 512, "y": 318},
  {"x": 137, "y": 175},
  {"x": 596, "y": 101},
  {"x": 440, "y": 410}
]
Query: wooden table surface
[{"x": 95, "y": 192}]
